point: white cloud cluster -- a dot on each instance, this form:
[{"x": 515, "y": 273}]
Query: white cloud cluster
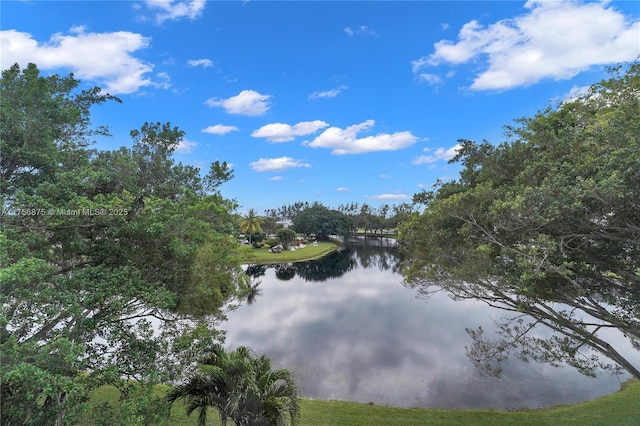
[
  {"x": 390, "y": 197},
  {"x": 553, "y": 39},
  {"x": 185, "y": 146},
  {"x": 277, "y": 164},
  {"x": 105, "y": 58},
  {"x": 166, "y": 10},
  {"x": 281, "y": 132},
  {"x": 346, "y": 141},
  {"x": 206, "y": 63},
  {"x": 220, "y": 129},
  {"x": 440, "y": 154},
  {"x": 328, "y": 93},
  {"x": 247, "y": 102},
  {"x": 360, "y": 30}
]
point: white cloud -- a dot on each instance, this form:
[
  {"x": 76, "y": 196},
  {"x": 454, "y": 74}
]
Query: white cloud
[
  {"x": 361, "y": 30},
  {"x": 576, "y": 93},
  {"x": 276, "y": 178},
  {"x": 247, "y": 102},
  {"x": 166, "y": 10},
  {"x": 342, "y": 189},
  {"x": 440, "y": 154},
  {"x": 200, "y": 63},
  {"x": 104, "y": 58},
  {"x": 383, "y": 176},
  {"x": 390, "y": 197},
  {"x": 328, "y": 94},
  {"x": 552, "y": 39},
  {"x": 163, "y": 82},
  {"x": 220, "y": 129},
  {"x": 432, "y": 79},
  {"x": 185, "y": 146},
  {"x": 277, "y": 164},
  {"x": 345, "y": 141},
  {"x": 281, "y": 132}
]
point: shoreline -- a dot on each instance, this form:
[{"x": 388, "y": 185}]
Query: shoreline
[
  {"x": 618, "y": 408},
  {"x": 264, "y": 257}
]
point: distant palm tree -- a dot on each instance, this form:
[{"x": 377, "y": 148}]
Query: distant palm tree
[
  {"x": 242, "y": 387},
  {"x": 251, "y": 223}
]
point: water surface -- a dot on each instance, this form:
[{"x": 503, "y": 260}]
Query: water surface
[{"x": 349, "y": 330}]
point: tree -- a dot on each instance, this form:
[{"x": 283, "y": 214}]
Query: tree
[
  {"x": 546, "y": 226},
  {"x": 242, "y": 387},
  {"x": 93, "y": 246},
  {"x": 219, "y": 173},
  {"x": 270, "y": 225},
  {"x": 401, "y": 213},
  {"x": 44, "y": 123},
  {"x": 286, "y": 236},
  {"x": 251, "y": 223},
  {"x": 323, "y": 222}
]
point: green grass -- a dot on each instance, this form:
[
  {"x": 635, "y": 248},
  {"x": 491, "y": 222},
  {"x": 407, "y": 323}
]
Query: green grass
[
  {"x": 262, "y": 256},
  {"x": 619, "y": 409}
]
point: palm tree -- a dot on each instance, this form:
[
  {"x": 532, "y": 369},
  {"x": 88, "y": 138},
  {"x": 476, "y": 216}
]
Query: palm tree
[
  {"x": 277, "y": 393},
  {"x": 196, "y": 393},
  {"x": 210, "y": 387},
  {"x": 242, "y": 387},
  {"x": 270, "y": 399},
  {"x": 251, "y": 223}
]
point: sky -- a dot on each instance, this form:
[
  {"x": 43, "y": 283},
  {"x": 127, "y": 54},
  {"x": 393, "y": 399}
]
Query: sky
[{"x": 328, "y": 101}]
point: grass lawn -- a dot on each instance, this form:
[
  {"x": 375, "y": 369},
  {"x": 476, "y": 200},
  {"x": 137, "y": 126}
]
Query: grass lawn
[
  {"x": 262, "y": 256},
  {"x": 619, "y": 409}
]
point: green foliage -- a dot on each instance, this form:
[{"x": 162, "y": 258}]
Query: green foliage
[
  {"x": 251, "y": 223},
  {"x": 219, "y": 173},
  {"x": 323, "y": 222},
  {"x": 44, "y": 123},
  {"x": 545, "y": 224},
  {"x": 242, "y": 387},
  {"x": 271, "y": 242},
  {"x": 138, "y": 404},
  {"x": 97, "y": 245},
  {"x": 286, "y": 236}
]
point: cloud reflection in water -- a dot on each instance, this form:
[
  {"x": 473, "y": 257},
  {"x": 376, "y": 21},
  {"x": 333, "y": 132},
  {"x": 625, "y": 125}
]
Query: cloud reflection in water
[{"x": 362, "y": 336}]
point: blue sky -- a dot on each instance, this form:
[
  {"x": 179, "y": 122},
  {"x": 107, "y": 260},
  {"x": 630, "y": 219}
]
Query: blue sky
[{"x": 331, "y": 101}]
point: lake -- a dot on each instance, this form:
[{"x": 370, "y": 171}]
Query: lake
[{"x": 349, "y": 330}]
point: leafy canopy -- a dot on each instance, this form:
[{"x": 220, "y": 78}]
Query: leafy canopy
[
  {"x": 114, "y": 265},
  {"x": 322, "y": 222},
  {"x": 545, "y": 225}
]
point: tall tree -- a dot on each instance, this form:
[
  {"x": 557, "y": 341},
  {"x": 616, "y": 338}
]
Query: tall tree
[
  {"x": 251, "y": 223},
  {"x": 323, "y": 222},
  {"x": 45, "y": 124},
  {"x": 547, "y": 226},
  {"x": 93, "y": 246}
]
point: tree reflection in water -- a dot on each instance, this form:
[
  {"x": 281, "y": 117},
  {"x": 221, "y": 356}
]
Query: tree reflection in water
[
  {"x": 365, "y": 253},
  {"x": 361, "y": 336}
]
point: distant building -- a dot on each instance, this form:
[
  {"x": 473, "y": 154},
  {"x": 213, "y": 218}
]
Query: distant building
[{"x": 285, "y": 223}]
